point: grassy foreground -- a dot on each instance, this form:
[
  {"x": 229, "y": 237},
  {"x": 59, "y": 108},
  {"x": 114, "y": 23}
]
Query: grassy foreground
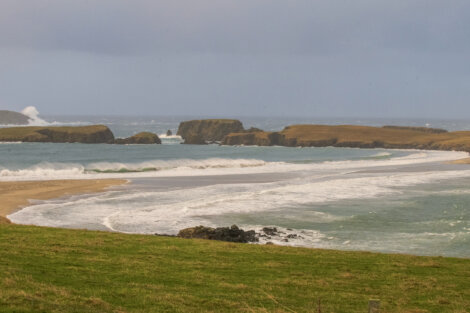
[{"x": 58, "y": 270}]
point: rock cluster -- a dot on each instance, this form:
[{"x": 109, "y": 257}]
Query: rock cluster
[
  {"x": 274, "y": 233},
  {"x": 231, "y": 234}
]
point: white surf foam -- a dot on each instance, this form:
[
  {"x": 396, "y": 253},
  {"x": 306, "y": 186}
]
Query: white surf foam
[
  {"x": 34, "y": 120},
  {"x": 43, "y": 171},
  {"x": 164, "y": 136},
  {"x": 33, "y": 114},
  {"x": 381, "y": 155},
  {"x": 160, "y": 165},
  {"x": 209, "y": 167},
  {"x": 171, "y": 210}
]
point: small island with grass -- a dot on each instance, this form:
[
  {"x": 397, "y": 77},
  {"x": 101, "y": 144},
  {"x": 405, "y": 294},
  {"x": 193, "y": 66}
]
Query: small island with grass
[{"x": 73, "y": 134}]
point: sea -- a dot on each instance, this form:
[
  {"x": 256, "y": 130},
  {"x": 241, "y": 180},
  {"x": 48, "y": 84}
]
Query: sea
[{"x": 382, "y": 200}]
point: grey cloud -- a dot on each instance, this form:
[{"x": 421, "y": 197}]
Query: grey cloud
[
  {"x": 237, "y": 57},
  {"x": 255, "y": 26}
]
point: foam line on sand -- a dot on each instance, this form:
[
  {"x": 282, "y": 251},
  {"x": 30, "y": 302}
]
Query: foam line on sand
[{"x": 16, "y": 195}]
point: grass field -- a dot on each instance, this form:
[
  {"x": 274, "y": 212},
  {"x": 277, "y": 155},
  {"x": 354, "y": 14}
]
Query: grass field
[{"x": 58, "y": 270}]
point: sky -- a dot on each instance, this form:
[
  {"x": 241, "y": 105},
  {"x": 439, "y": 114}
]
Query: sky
[{"x": 312, "y": 58}]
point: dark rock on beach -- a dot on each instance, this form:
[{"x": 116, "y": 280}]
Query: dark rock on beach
[
  {"x": 140, "y": 138},
  {"x": 231, "y": 234},
  {"x": 270, "y": 231}
]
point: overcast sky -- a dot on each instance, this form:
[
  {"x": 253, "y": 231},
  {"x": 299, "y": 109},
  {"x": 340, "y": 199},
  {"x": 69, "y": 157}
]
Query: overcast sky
[{"x": 331, "y": 58}]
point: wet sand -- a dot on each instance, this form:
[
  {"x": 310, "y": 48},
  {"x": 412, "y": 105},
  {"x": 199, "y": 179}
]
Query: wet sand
[
  {"x": 15, "y": 195},
  {"x": 461, "y": 161}
]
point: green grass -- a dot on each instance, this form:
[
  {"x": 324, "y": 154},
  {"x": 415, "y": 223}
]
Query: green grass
[{"x": 58, "y": 270}]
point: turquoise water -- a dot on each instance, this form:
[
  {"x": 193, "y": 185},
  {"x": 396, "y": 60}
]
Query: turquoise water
[
  {"x": 54, "y": 155},
  {"x": 404, "y": 201}
]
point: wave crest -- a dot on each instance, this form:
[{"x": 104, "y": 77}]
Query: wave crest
[
  {"x": 33, "y": 114},
  {"x": 47, "y": 170},
  {"x": 161, "y": 165}
]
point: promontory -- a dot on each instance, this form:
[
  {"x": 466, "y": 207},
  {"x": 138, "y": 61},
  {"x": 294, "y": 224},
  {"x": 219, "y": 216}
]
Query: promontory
[
  {"x": 13, "y": 118},
  {"x": 392, "y": 137}
]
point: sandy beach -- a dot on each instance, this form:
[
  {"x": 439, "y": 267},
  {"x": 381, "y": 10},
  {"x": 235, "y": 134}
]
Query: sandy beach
[{"x": 17, "y": 194}]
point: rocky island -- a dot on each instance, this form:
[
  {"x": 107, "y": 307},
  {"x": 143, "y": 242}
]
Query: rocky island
[
  {"x": 391, "y": 137},
  {"x": 232, "y": 132},
  {"x": 140, "y": 138},
  {"x": 81, "y": 134},
  {"x": 208, "y": 130},
  {"x": 72, "y": 134}
]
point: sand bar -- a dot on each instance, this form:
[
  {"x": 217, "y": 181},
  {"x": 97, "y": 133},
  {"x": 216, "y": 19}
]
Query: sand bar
[{"x": 15, "y": 195}]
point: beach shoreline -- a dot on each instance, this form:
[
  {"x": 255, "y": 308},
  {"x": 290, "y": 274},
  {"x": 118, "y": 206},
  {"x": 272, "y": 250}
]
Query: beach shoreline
[{"x": 15, "y": 195}]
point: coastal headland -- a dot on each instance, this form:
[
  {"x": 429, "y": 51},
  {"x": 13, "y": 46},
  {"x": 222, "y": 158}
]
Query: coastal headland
[
  {"x": 390, "y": 137},
  {"x": 231, "y": 132}
]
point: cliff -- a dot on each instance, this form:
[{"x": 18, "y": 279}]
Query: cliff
[
  {"x": 81, "y": 134},
  {"x": 13, "y": 118},
  {"x": 208, "y": 130},
  {"x": 355, "y": 137},
  {"x": 140, "y": 138}
]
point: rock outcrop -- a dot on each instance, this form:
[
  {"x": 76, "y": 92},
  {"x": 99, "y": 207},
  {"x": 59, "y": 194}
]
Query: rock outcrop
[
  {"x": 232, "y": 234},
  {"x": 81, "y": 134},
  {"x": 169, "y": 133},
  {"x": 355, "y": 137},
  {"x": 140, "y": 138},
  {"x": 13, "y": 118},
  {"x": 210, "y": 130},
  {"x": 195, "y": 140}
]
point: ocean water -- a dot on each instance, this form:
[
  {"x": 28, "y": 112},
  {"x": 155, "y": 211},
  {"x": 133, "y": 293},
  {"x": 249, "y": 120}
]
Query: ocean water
[{"x": 404, "y": 201}]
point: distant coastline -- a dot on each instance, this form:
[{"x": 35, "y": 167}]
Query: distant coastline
[{"x": 232, "y": 132}]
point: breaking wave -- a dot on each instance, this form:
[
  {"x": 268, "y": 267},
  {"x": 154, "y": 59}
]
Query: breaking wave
[
  {"x": 47, "y": 170},
  {"x": 210, "y": 166},
  {"x": 33, "y": 114},
  {"x": 160, "y": 165}
]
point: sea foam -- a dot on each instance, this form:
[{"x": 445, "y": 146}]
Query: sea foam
[{"x": 210, "y": 166}]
